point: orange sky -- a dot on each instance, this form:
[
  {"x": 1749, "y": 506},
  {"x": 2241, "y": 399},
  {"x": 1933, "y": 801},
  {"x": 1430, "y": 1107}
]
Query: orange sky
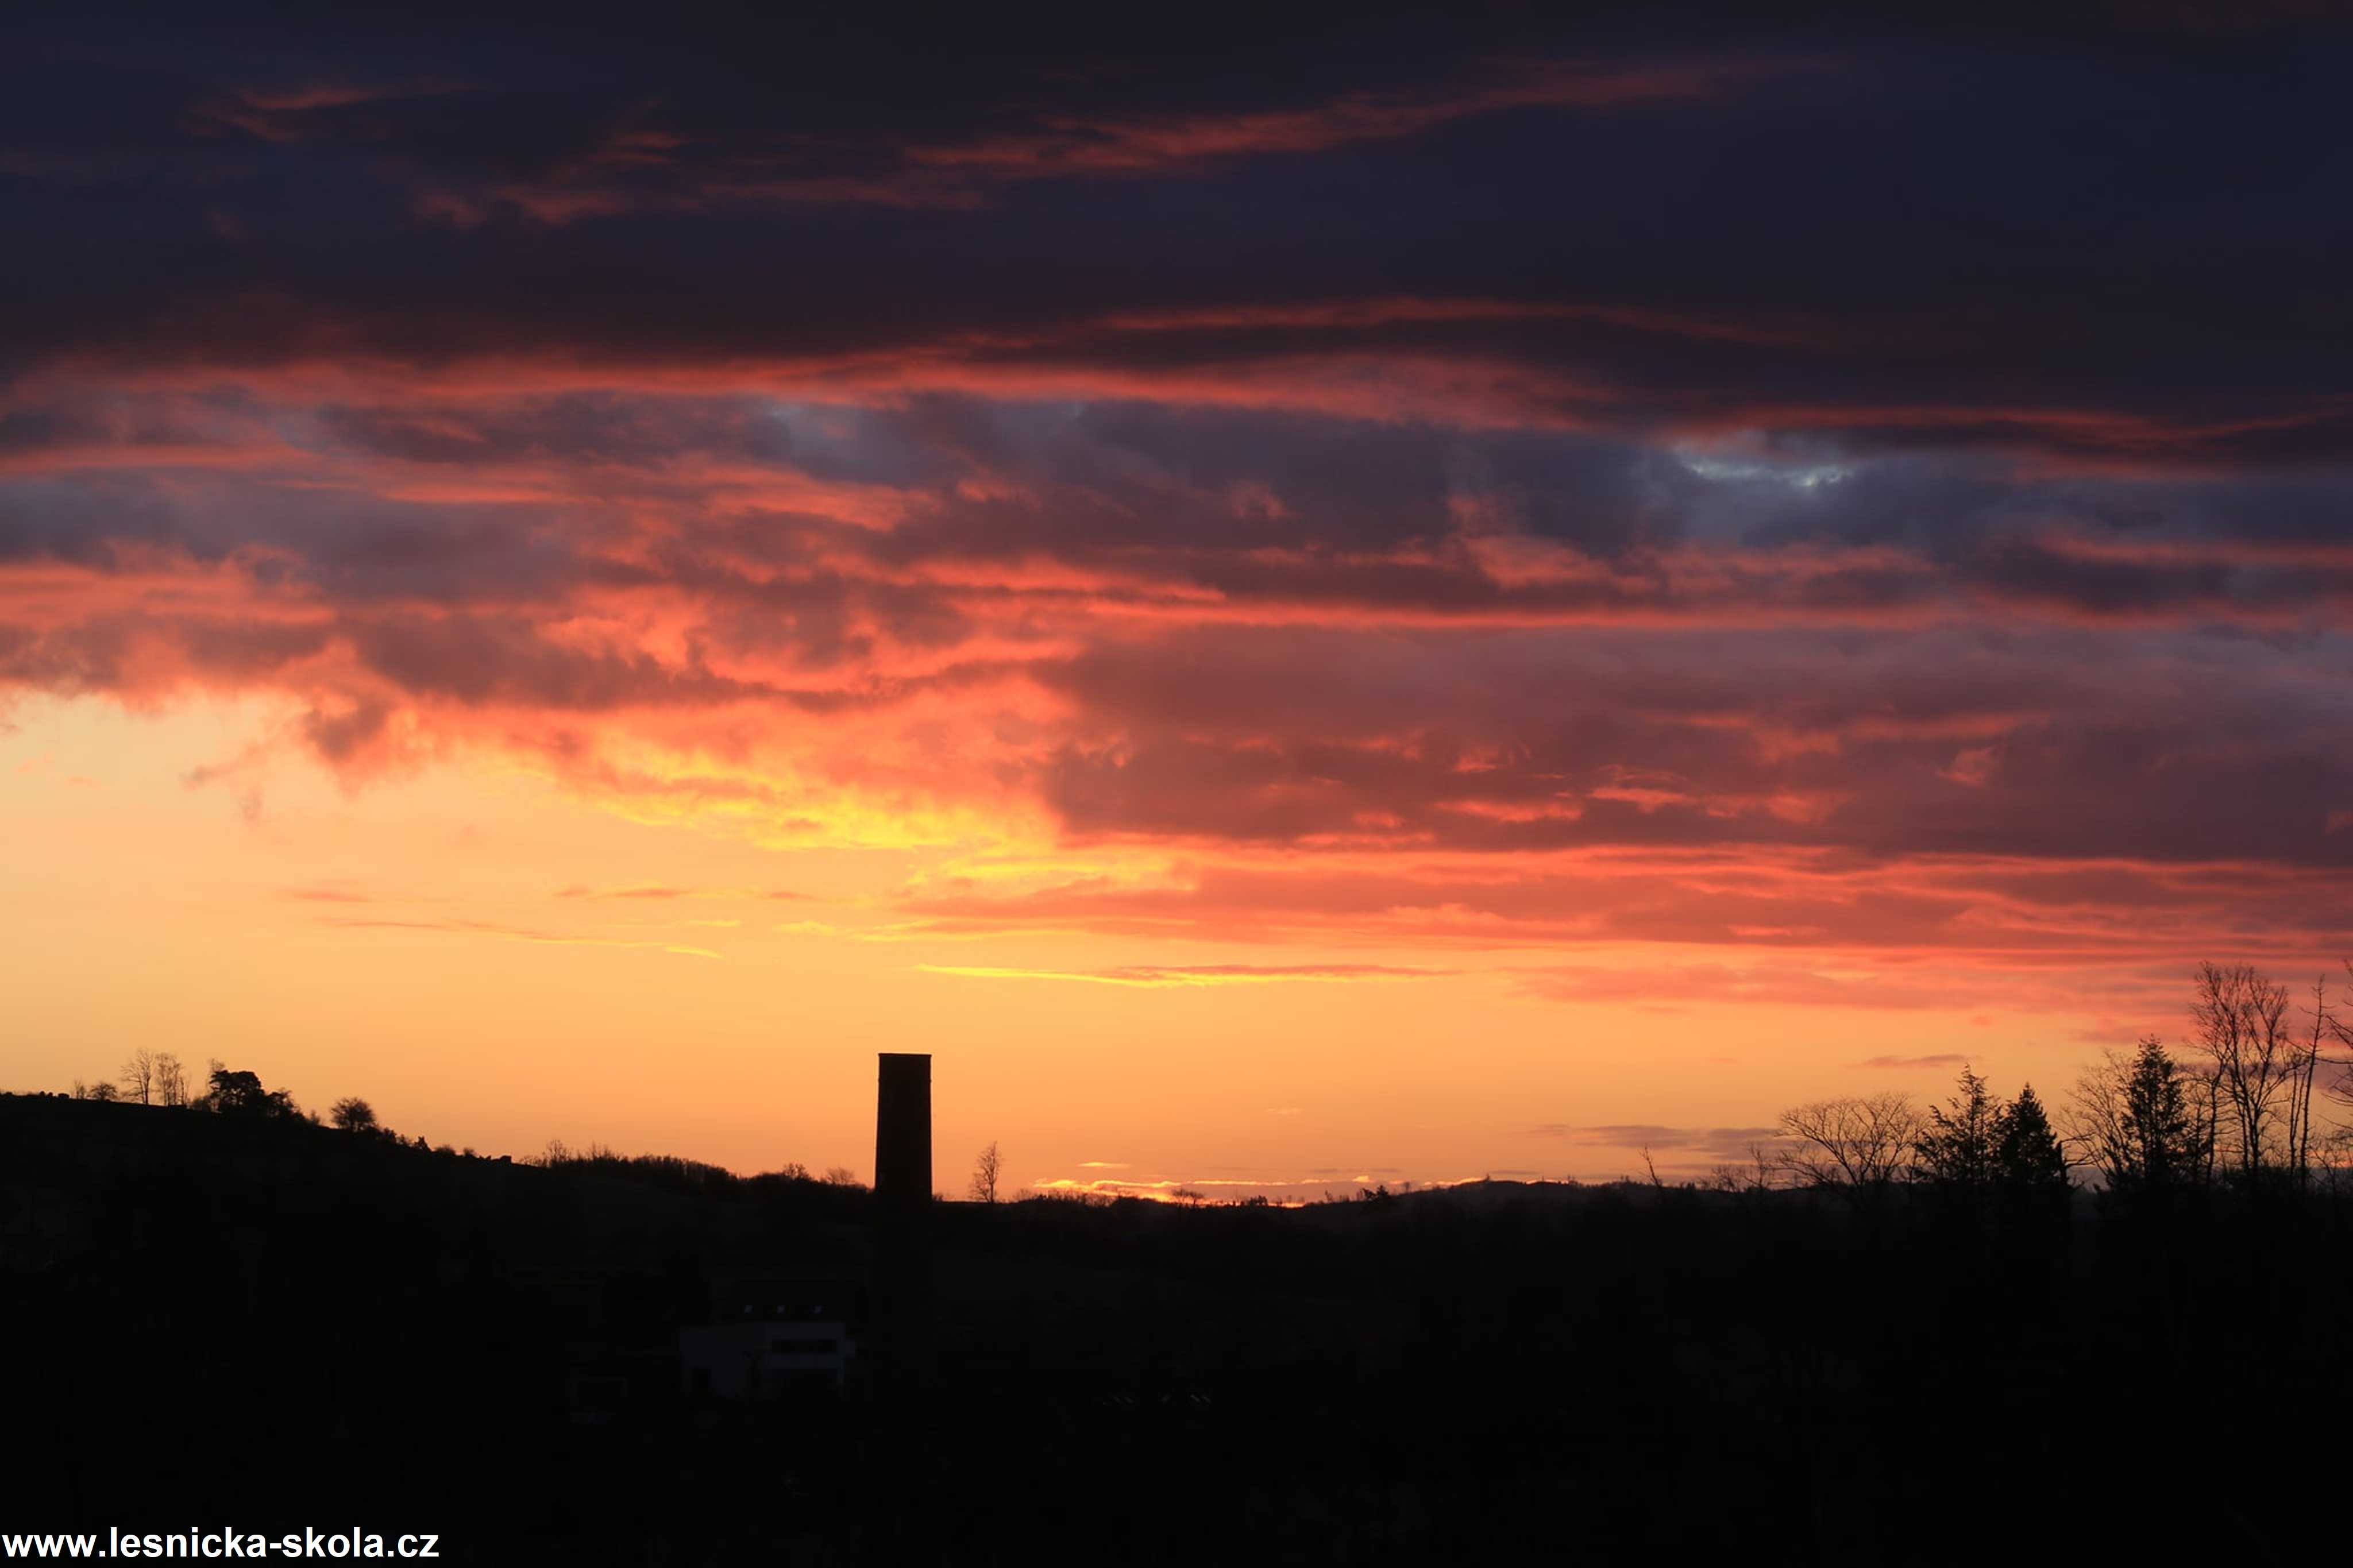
[
  {"x": 494, "y": 960},
  {"x": 629, "y": 767},
  {"x": 1465, "y": 598}
]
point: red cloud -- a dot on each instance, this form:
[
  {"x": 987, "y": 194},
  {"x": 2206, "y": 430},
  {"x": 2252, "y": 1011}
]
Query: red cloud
[
  {"x": 647, "y": 166},
  {"x": 1368, "y": 683},
  {"x": 1133, "y": 145}
]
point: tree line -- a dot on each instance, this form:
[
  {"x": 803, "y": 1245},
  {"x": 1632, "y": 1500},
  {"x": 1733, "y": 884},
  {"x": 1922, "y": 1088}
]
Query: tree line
[
  {"x": 161, "y": 1078},
  {"x": 2238, "y": 1107}
]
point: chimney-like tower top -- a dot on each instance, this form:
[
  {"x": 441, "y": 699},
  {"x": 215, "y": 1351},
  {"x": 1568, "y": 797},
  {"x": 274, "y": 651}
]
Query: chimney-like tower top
[{"x": 902, "y": 1131}]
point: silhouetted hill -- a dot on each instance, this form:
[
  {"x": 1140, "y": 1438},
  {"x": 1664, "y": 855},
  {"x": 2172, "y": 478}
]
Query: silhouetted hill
[{"x": 274, "y": 1322}]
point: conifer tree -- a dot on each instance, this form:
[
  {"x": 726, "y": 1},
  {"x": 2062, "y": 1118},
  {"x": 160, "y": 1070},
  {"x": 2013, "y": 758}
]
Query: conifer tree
[
  {"x": 2028, "y": 1153},
  {"x": 1960, "y": 1145},
  {"x": 2161, "y": 1121},
  {"x": 2135, "y": 1114}
]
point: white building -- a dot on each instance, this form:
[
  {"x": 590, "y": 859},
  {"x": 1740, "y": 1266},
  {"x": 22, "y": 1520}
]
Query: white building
[{"x": 771, "y": 1338}]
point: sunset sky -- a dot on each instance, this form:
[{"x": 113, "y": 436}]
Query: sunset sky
[{"x": 1300, "y": 599}]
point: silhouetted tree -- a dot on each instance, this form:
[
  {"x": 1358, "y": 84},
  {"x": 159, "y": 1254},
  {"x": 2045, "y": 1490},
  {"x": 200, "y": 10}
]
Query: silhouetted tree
[
  {"x": 2137, "y": 1117},
  {"x": 1960, "y": 1147},
  {"x": 2028, "y": 1155},
  {"x": 138, "y": 1075},
  {"x": 354, "y": 1114},
  {"x": 2340, "y": 1086},
  {"x": 236, "y": 1093},
  {"x": 2256, "y": 1065},
  {"x": 171, "y": 1079},
  {"x": 2323, "y": 1021},
  {"x": 984, "y": 1172},
  {"x": 1861, "y": 1143},
  {"x": 842, "y": 1176}
]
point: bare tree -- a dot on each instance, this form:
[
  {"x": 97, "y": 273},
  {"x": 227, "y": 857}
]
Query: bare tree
[
  {"x": 2257, "y": 1067},
  {"x": 1861, "y": 1143},
  {"x": 2324, "y": 1027},
  {"x": 842, "y": 1176},
  {"x": 2096, "y": 1117},
  {"x": 984, "y": 1172},
  {"x": 354, "y": 1114},
  {"x": 2340, "y": 1086},
  {"x": 138, "y": 1077},
  {"x": 171, "y": 1081}
]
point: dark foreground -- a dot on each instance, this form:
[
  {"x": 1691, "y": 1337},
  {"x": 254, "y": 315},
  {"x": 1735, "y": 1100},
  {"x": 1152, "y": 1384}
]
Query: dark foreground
[{"x": 274, "y": 1326}]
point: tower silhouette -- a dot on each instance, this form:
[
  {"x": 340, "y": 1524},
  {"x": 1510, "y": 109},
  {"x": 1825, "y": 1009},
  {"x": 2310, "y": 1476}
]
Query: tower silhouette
[
  {"x": 902, "y": 1200},
  {"x": 903, "y": 1131}
]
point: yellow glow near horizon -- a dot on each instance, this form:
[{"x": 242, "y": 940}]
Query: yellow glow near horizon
[{"x": 494, "y": 961}]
